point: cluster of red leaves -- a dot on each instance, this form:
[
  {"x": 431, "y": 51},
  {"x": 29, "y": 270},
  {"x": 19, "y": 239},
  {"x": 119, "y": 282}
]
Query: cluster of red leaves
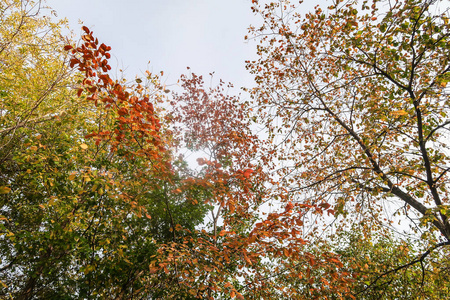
[
  {"x": 137, "y": 125},
  {"x": 217, "y": 124}
]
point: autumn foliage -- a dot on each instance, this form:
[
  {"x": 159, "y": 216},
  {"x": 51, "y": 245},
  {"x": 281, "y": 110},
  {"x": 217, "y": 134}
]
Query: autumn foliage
[
  {"x": 328, "y": 182},
  {"x": 136, "y": 120}
]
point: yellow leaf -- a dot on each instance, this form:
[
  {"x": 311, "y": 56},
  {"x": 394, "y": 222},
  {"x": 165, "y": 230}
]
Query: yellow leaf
[
  {"x": 4, "y": 190},
  {"x": 72, "y": 176},
  {"x": 83, "y": 146},
  {"x": 4, "y": 285},
  {"x": 399, "y": 113},
  {"x": 88, "y": 269}
]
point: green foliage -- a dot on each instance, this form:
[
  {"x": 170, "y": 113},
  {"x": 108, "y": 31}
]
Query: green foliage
[
  {"x": 78, "y": 219},
  {"x": 373, "y": 259}
]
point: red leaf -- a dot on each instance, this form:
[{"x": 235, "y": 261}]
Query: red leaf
[
  {"x": 289, "y": 206},
  {"x": 200, "y": 161},
  {"x": 73, "y": 62},
  {"x": 324, "y": 205},
  {"x": 247, "y": 173}
]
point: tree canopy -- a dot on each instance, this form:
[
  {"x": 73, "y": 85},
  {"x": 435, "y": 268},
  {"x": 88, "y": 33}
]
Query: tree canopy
[{"x": 327, "y": 180}]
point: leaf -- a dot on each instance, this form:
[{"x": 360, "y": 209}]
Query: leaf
[
  {"x": 247, "y": 173},
  {"x": 4, "y": 190},
  {"x": 83, "y": 146},
  {"x": 399, "y": 113},
  {"x": 324, "y": 205},
  {"x": 88, "y": 269}
]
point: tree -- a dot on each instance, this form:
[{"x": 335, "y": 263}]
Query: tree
[
  {"x": 33, "y": 95},
  {"x": 371, "y": 256},
  {"x": 242, "y": 240},
  {"x": 34, "y": 74},
  {"x": 355, "y": 104},
  {"x": 214, "y": 125},
  {"x": 87, "y": 174}
]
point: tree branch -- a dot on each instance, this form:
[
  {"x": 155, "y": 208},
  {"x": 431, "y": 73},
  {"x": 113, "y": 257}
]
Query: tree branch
[{"x": 418, "y": 260}]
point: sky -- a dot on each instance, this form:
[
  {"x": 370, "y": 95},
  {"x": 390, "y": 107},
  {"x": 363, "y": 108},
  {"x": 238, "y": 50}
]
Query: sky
[{"x": 205, "y": 35}]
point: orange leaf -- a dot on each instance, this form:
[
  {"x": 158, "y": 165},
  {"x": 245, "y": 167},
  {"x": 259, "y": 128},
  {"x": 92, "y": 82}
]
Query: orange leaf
[
  {"x": 4, "y": 190},
  {"x": 289, "y": 206},
  {"x": 324, "y": 205},
  {"x": 247, "y": 173}
]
